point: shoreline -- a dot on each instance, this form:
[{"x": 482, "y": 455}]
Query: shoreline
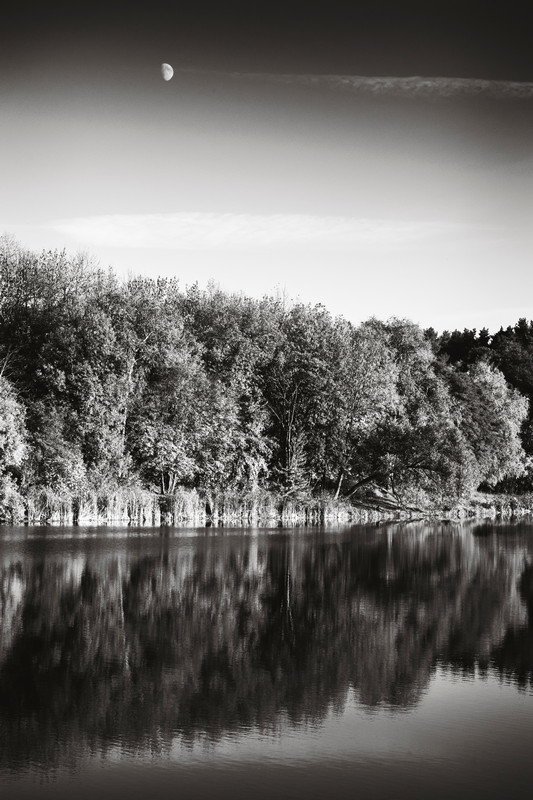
[{"x": 148, "y": 510}]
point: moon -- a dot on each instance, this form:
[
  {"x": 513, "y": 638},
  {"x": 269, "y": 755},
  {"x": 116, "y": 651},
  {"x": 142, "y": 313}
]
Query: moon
[{"x": 166, "y": 71}]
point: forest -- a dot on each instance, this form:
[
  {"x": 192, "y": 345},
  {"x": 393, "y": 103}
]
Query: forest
[{"x": 124, "y": 394}]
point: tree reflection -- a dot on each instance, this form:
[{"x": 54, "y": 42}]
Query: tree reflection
[{"x": 209, "y": 637}]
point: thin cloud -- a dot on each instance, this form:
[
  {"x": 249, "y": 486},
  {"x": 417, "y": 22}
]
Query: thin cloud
[
  {"x": 215, "y": 231},
  {"x": 413, "y": 86}
]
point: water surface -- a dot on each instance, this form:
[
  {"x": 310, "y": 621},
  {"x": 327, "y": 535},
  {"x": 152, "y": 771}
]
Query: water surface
[{"x": 371, "y": 662}]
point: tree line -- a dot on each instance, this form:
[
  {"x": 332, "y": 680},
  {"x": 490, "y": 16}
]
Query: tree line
[{"x": 111, "y": 385}]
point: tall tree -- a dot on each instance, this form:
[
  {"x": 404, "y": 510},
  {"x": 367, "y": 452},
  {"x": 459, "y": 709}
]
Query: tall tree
[{"x": 12, "y": 451}]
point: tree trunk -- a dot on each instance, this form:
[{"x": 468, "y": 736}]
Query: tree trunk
[{"x": 339, "y": 484}]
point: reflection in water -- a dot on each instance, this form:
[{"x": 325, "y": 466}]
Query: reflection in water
[{"x": 198, "y": 637}]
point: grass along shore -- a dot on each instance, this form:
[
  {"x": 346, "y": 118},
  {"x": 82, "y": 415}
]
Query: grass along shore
[{"x": 188, "y": 507}]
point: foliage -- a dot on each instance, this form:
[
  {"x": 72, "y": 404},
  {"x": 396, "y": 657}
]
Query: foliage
[
  {"x": 108, "y": 386},
  {"x": 510, "y": 350},
  {"x": 12, "y": 451}
]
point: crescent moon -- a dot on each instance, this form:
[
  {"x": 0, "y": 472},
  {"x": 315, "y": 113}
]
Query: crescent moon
[{"x": 167, "y": 72}]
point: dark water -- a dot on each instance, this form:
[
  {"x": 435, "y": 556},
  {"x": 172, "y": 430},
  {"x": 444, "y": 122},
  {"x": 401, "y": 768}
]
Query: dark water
[{"x": 371, "y": 662}]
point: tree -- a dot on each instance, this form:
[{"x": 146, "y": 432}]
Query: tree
[
  {"x": 411, "y": 446},
  {"x": 491, "y": 417},
  {"x": 12, "y": 451},
  {"x": 300, "y": 389},
  {"x": 366, "y": 388}
]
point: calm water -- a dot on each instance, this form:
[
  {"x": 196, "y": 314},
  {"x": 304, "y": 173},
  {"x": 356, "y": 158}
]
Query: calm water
[{"x": 369, "y": 662}]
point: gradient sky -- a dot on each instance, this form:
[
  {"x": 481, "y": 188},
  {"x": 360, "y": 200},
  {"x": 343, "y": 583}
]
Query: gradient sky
[{"x": 252, "y": 169}]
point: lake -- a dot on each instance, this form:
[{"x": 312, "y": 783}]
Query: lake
[{"x": 390, "y": 661}]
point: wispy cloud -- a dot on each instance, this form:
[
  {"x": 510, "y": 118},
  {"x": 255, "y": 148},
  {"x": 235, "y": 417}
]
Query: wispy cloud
[
  {"x": 413, "y": 86},
  {"x": 209, "y": 231}
]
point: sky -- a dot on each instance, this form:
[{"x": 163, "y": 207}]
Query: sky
[{"x": 373, "y": 157}]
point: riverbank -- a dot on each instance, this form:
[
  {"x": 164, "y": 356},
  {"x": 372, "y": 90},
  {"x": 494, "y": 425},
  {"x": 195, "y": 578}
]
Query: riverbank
[
  {"x": 481, "y": 505},
  {"x": 142, "y": 508}
]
